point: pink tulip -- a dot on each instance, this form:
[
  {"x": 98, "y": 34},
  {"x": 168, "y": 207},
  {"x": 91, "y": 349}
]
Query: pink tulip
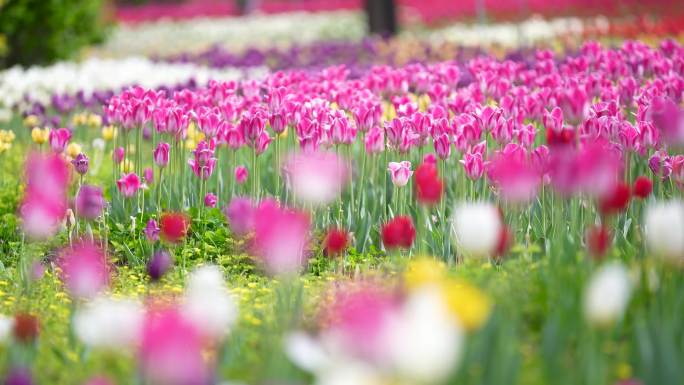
[
  {"x": 84, "y": 269},
  {"x": 210, "y": 200},
  {"x": 171, "y": 351},
  {"x": 516, "y": 178},
  {"x": 118, "y": 155},
  {"x": 152, "y": 231},
  {"x": 375, "y": 141},
  {"x": 473, "y": 165},
  {"x": 240, "y": 216},
  {"x": 45, "y": 199},
  {"x": 318, "y": 177},
  {"x": 443, "y": 146},
  {"x": 241, "y": 174},
  {"x": 161, "y": 155},
  {"x": 281, "y": 238},
  {"x": 128, "y": 185},
  {"x": 89, "y": 202},
  {"x": 277, "y": 122},
  {"x": 203, "y": 163},
  {"x": 148, "y": 174},
  {"x": 400, "y": 172},
  {"x": 262, "y": 142},
  {"x": 59, "y": 138}
]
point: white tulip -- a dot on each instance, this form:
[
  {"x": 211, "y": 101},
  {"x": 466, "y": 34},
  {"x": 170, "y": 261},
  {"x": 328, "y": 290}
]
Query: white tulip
[
  {"x": 207, "y": 303},
  {"x": 109, "y": 323},
  {"x": 664, "y": 229},
  {"x": 607, "y": 294},
  {"x": 6, "y": 325},
  {"x": 477, "y": 228}
]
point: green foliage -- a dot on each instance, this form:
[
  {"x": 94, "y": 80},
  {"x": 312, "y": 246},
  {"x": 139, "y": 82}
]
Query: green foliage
[{"x": 43, "y": 31}]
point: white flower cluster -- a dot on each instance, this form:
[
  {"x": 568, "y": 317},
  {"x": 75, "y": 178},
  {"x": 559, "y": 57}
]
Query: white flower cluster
[
  {"x": 167, "y": 37},
  {"x": 512, "y": 35},
  {"x": 40, "y": 83}
]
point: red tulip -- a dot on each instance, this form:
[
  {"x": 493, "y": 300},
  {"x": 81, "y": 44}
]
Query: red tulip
[
  {"x": 398, "y": 232},
  {"x": 616, "y": 200},
  {"x": 505, "y": 241},
  {"x": 598, "y": 240},
  {"x": 174, "y": 226},
  {"x": 643, "y": 187},
  {"x": 336, "y": 241},
  {"x": 429, "y": 186},
  {"x": 26, "y": 327}
]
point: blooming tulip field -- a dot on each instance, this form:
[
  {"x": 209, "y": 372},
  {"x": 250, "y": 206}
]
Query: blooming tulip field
[{"x": 348, "y": 212}]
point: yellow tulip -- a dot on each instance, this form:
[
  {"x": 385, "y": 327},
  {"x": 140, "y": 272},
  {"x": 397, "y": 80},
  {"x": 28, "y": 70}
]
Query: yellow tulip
[
  {"x": 78, "y": 120},
  {"x": 109, "y": 133},
  {"x": 31, "y": 121},
  {"x": 94, "y": 120},
  {"x": 73, "y": 149},
  {"x": 470, "y": 305},
  {"x": 423, "y": 271},
  {"x": 40, "y": 135}
]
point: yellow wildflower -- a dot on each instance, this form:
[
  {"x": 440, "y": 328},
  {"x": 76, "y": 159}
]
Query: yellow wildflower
[
  {"x": 40, "y": 135},
  {"x": 109, "y": 133}
]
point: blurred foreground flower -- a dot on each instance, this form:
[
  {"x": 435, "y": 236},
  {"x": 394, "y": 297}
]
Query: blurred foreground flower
[
  {"x": 607, "y": 294},
  {"x": 208, "y": 304},
  {"x": 281, "y": 237},
  {"x": 84, "y": 269},
  {"x": 109, "y": 323},
  {"x": 240, "y": 215},
  {"x": 44, "y": 204},
  {"x": 316, "y": 178},
  {"x": 399, "y": 232}
]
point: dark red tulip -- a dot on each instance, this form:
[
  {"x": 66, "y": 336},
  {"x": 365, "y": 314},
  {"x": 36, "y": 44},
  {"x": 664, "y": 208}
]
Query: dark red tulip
[
  {"x": 398, "y": 233},
  {"x": 336, "y": 241},
  {"x": 598, "y": 240},
  {"x": 617, "y": 200},
  {"x": 643, "y": 187}
]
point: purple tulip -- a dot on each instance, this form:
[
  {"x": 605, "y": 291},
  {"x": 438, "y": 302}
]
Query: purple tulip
[{"x": 89, "y": 202}]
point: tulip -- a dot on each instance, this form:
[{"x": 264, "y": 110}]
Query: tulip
[
  {"x": 281, "y": 237},
  {"x": 40, "y": 135},
  {"x": 89, "y": 202},
  {"x": 161, "y": 155},
  {"x": 400, "y": 172},
  {"x": 158, "y": 265},
  {"x": 598, "y": 240},
  {"x": 128, "y": 185},
  {"x": 84, "y": 269},
  {"x": 335, "y": 241},
  {"x": 443, "y": 146},
  {"x": 240, "y": 216},
  {"x": 241, "y": 174},
  {"x": 473, "y": 165},
  {"x": 317, "y": 178},
  {"x": 208, "y": 304},
  {"x": 375, "y": 141},
  {"x": 429, "y": 187},
  {"x": 171, "y": 350},
  {"x": 616, "y": 201},
  {"x": 174, "y": 226},
  {"x": 59, "y": 139},
  {"x": 80, "y": 163},
  {"x": 152, "y": 231},
  {"x": 663, "y": 228},
  {"x": 118, "y": 155},
  {"x": 19, "y": 376},
  {"x": 109, "y": 323},
  {"x": 398, "y": 233},
  {"x": 25, "y": 327},
  {"x": 477, "y": 228},
  {"x": 607, "y": 294},
  {"x": 642, "y": 187},
  {"x": 73, "y": 149},
  {"x": 210, "y": 200}
]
